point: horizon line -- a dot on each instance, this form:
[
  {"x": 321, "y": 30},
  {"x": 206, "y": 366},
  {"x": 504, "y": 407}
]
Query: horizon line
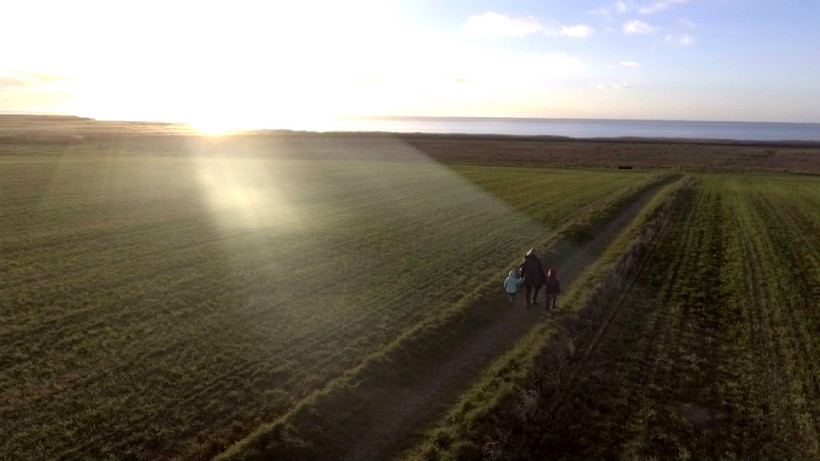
[{"x": 429, "y": 117}]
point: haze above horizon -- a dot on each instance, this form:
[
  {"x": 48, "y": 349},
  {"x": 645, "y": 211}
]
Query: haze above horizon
[{"x": 270, "y": 65}]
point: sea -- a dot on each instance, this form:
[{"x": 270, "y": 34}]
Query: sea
[{"x": 583, "y": 128}]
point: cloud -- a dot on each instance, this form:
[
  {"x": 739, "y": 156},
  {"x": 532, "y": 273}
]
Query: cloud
[
  {"x": 617, "y": 7},
  {"x": 682, "y": 39},
  {"x": 628, "y": 63},
  {"x": 687, "y": 23},
  {"x": 9, "y": 78},
  {"x": 654, "y": 7},
  {"x": 612, "y": 86},
  {"x": 7, "y": 81},
  {"x": 579, "y": 31},
  {"x": 492, "y": 24},
  {"x": 33, "y": 91},
  {"x": 638, "y": 27}
]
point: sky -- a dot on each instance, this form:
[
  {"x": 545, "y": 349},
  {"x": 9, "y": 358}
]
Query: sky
[{"x": 245, "y": 64}]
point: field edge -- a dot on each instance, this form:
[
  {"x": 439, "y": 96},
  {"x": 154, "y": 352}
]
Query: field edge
[{"x": 461, "y": 434}]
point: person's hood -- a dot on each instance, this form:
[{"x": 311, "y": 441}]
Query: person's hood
[{"x": 512, "y": 274}]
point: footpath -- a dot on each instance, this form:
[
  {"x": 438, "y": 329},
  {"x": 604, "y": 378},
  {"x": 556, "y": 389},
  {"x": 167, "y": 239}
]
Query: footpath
[{"x": 382, "y": 409}]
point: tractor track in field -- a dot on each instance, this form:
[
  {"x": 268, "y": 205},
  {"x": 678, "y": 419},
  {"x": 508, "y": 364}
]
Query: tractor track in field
[{"x": 399, "y": 410}]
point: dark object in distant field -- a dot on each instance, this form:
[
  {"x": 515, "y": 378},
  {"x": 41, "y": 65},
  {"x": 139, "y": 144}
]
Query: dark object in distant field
[{"x": 624, "y": 167}]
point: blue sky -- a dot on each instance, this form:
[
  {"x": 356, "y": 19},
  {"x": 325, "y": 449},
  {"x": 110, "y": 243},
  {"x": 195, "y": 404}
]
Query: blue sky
[{"x": 251, "y": 64}]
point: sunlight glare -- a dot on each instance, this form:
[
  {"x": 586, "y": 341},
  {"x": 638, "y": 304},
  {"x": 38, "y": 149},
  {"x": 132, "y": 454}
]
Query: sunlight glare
[
  {"x": 244, "y": 193},
  {"x": 213, "y": 127}
]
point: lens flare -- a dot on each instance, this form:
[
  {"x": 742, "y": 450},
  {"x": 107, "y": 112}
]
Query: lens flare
[{"x": 244, "y": 193}]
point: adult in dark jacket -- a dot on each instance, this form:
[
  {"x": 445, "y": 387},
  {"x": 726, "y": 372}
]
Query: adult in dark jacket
[{"x": 532, "y": 270}]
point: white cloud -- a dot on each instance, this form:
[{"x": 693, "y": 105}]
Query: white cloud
[
  {"x": 654, "y": 7},
  {"x": 682, "y": 39},
  {"x": 492, "y": 24},
  {"x": 638, "y": 27},
  {"x": 617, "y": 7},
  {"x": 628, "y": 63},
  {"x": 579, "y": 31},
  {"x": 12, "y": 78},
  {"x": 687, "y": 23},
  {"x": 612, "y": 86}
]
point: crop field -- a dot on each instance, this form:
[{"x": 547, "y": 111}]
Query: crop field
[
  {"x": 158, "y": 307},
  {"x": 712, "y": 352}
]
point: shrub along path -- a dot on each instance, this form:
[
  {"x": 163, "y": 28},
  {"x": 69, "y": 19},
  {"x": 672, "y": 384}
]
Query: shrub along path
[{"x": 379, "y": 409}]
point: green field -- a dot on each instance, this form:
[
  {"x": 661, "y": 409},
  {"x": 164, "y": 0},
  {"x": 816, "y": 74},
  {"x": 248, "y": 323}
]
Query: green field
[
  {"x": 166, "y": 306},
  {"x": 709, "y": 352}
]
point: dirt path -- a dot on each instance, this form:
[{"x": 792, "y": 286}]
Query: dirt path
[{"x": 408, "y": 409}]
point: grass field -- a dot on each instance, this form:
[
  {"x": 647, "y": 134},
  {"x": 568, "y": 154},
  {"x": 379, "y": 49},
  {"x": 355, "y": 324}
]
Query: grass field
[
  {"x": 711, "y": 353},
  {"x": 58, "y": 135},
  {"x": 165, "y": 306}
]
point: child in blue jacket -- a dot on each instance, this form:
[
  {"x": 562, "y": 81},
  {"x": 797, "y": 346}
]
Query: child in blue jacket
[{"x": 511, "y": 285}]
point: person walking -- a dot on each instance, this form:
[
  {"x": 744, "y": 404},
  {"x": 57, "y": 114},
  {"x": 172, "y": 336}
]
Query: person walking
[
  {"x": 511, "y": 285},
  {"x": 532, "y": 270},
  {"x": 553, "y": 288}
]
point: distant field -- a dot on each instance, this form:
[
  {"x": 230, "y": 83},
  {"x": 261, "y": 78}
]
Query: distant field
[
  {"x": 711, "y": 354},
  {"x": 25, "y": 134},
  {"x": 158, "y": 307},
  {"x": 640, "y": 153}
]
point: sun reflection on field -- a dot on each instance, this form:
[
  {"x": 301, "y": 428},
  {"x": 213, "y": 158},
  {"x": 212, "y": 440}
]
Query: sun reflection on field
[
  {"x": 287, "y": 258},
  {"x": 244, "y": 193}
]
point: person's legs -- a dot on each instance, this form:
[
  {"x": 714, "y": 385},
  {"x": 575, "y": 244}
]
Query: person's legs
[
  {"x": 535, "y": 298},
  {"x": 529, "y": 291}
]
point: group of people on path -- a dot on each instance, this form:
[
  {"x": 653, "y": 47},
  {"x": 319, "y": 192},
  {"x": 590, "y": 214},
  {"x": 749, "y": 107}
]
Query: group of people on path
[{"x": 532, "y": 276}]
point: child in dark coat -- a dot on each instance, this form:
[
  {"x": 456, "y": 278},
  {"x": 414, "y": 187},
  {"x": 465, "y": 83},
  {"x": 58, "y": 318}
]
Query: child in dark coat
[{"x": 553, "y": 287}]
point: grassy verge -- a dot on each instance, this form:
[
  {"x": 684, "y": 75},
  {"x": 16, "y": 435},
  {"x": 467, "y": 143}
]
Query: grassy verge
[{"x": 477, "y": 425}]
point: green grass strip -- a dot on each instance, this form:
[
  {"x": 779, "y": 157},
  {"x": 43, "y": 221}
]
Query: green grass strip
[{"x": 458, "y": 435}]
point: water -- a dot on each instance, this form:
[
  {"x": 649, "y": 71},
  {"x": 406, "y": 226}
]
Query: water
[{"x": 584, "y": 128}]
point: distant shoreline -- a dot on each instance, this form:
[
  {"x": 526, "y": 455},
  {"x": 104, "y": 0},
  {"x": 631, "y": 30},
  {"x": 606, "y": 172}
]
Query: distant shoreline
[
  {"x": 435, "y": 117},
  {"x": 562, "y": 119},
  {"x": 70, "y": 128},
  {"x": 21, "y": 139}
]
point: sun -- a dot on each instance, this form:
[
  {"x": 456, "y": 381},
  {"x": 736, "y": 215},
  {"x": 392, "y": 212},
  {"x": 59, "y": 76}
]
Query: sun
[{"x": 213, "y": 127}]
